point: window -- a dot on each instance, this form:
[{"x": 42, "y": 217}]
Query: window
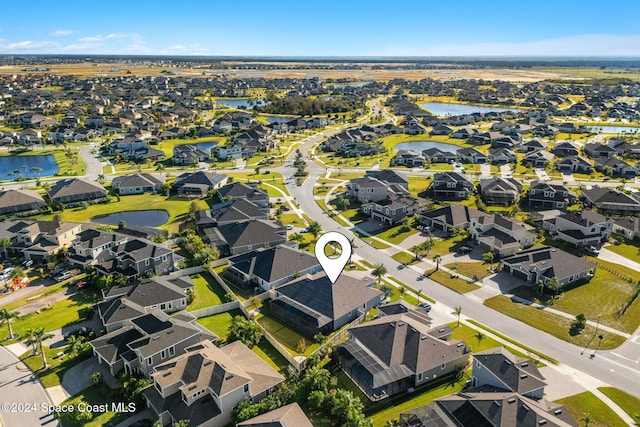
[
  {"x": 172, "y": 351},
  {"x": 246, "y": 388},
  {"x": 149, "y": 361},
  {"x": 444, "y": 365},
  {"x": 420, "y": 376},
  {"x": 163, "y": 354},
  {"x": 183, "y": 301},
  {"x": 170, "y": 304},
  {"x": 163, "y": 306},
  {"x": 146, "y": 261}
]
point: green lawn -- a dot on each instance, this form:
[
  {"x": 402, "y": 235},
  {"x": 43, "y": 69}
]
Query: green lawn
[
  {"x": 287, "y": 336},
  {"x": 52, "y": 376},
  {"x": 93, "y": 396},
  {"x": 629, "y": 404},
  {"x": 207, "y": 291},
  {"x": 292, "y": 219},
  {"x": 454, "y": 283},
  {"x": 177, "y": 207},
  {"x": 394, "y": 236},
  {"x": 167, "y": 145},
  {"x": 603, "y": 295},
  {"x": 266, "y": 180},
  {"x": 585, "y": 403},
  {"x": 403, "y": 257},
  {"x": 473, "y": 270},
  {"x": 627, "y": 249},
  {"x": 219, "y": 323},
  {"x": 551, "y": 323},
  {"x": 418, "y": 184},
  {"x": 447, "y": 246},
  {"x": 270, "y": 355}
]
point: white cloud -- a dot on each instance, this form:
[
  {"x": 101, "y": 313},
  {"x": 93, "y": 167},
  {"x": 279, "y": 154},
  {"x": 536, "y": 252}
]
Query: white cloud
[
  {"x": 60, "y": 33},
  {"x": 578, "y": 45},
  {"x": 29, "y": 46},
  {"x": 189, "y": 49}
]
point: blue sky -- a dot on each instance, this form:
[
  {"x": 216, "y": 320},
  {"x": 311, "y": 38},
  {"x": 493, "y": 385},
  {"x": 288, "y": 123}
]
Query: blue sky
[{"x": 327, "y": 28}]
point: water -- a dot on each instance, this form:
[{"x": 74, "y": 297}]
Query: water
[
  {"x": 445, "y": 109},
  {"x": 272, "y": 119},
  {"x": 241, "y": 103},
  {"x": 613, "y": 129},
  {"x": 150, "y": 218},
  {"x": 425, "y": 145},
  {"x": 9, "y": 164},
  {"x": 207, "y": 146},
  {"x": 350, "y": 84}
]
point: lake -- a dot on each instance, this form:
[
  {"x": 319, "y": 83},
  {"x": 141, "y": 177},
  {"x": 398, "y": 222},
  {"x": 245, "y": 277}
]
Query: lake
[
  {"x": 207, "y": 146},
  {"x": 351, "y": 84},
  {"x": 613, "y": 129},
  {"x": 241, "y": 103},
  {"x": 9, "y": 164},
  {"x": 273, "y": 119},
  {"x": 150, "y": 218},
  {"x": 419, "y": 146},
  {"x": 444, "y": 109}
]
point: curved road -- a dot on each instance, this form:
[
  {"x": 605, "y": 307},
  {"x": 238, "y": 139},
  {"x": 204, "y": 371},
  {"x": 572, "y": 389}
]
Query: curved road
[{"x": 611, "y": 367}]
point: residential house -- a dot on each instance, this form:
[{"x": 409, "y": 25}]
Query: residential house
[
  {"x": 565, "y": 149},
  {"x": 37, "y": 240},
  {"x": 539, "y": 159},
  {"x": 611, "y": 201},
  {"x": 234, "y": 211},
  {"x": 597, "y": 150},
  {"x": 573, "y": 164},
  {"x": 533, "y": 145},
  {"x": 449, "y": 217},
  {"x": 504, "y": 391},
  {"x": 187, "y": 154},
  {"x": 391, "y": 177},
  {"x": 244, "y": 190},
  {"x": 147, "y": 341},
  {"x": 435, "y": 155},
  {"x": 21, "y": 202},
  {"x": 126, "y": 302},
  {"x": 581, "y": 229},
  {"x": 451, "y": 186},
  {"x": 399, "y": 352},
  {"x": 502, "y": 156},
  {"x": 73, "y": 191},
  {"x": 199, "y": 183},
  {"x": 464, "y": 132},
  {"x": 290, "y": 415},
  {"x": 500, "y": 235},
  {"x": 472, "y": 155},
  {"x": 546, "y": 262},
  {"x": 269, "y": 268},
  {"x": 112, "y": 253},
  {"x": 379, "y": 186},
  {"x": 441, "y": 129},
  {"x": 138, "y": 183},
  {"x": 548, "y": 195},
  {"x": 629, "y": 227},
  {"x": 240, "y": 237},
  {"x": 500, "y": 191},
  {"x": 393, "y": 209},
  {"x": 312, "y": 304},
  {"x": 409, "y": 158},
  {"x": 204, "y": 384},
  {"x": 615, "y": 167}
]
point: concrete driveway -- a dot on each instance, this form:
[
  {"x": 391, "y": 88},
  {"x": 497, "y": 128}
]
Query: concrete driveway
[
  {"x": 59, "y": 334},
  {"x": 77, "y": 378}
]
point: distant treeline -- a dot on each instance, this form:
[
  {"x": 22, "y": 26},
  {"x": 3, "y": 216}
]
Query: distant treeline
[{"x": 307, "y": 106}]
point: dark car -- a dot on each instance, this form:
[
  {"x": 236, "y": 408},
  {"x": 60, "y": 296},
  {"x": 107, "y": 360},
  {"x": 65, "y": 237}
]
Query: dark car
[
  {"x": 464, "y": 249},
  {"x": 426, "y": 306},
  {"x": 82, "y": 332}
]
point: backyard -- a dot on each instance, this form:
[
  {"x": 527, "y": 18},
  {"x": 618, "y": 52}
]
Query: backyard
[
  {"x": 207, "y": 291},
  {"x": 219, "y": 323}
]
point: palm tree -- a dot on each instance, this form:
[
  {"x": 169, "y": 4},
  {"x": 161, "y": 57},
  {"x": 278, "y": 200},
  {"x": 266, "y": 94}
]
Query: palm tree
[
  {"x": 480, "y": 336},
  {"x": 458, "y": 311},
  {"x": 387, "y": 291},
  {"x": 35, "y": 170},
  {"x": 538, "y": 287},
  {"x": 5, "y": 243},
  {"x": 8, "y": 317},
  {"x": 586, "y": 419},
  {"x": 318, "y": 378},
  {"x": 194, "y": 163},
  {"x": 35, "y": 337},
  {"x": 554, "y": 284},
  {"x": 437, "y": 258},
  {"x": 314, "y": 228},
  {"x": 379, "y": 270},
  {"x": 419, "y": 294},
  {"x": 296, "y": 237},
  {"x": 100, "y": 178}
]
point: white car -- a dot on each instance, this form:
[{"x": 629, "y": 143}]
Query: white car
[{"x": 6, "y": 273}]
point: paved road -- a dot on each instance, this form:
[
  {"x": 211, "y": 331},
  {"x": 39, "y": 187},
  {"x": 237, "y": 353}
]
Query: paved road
[
  {"x": 21, "y": 387},
  {"x": 612, "y": 367}
]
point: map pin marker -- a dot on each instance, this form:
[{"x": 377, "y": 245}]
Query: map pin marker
[{"x": 333, "y": 266}]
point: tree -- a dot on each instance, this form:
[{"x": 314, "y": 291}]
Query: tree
[
  {"x": 100, "y": 178},
  {"x": 35, "y": 170},
  {"x": 489, "y": 257},
  {"x": 419, "y": 294},
  {"x": 35, "y": 337},
  {"x": 387, "y": 291},
  {"x": 554, "y": 284},
  {"x": 247, "y": 331},
  {"x": 5, "y": 243},
  {"x": 479, "y": 336},
  {"x": 437, "y": 258},
  {"x": 74, "y": 345},
  {"x": 8, "y": 317},
  {"x": 315, "y": 229},
  {"x": 317, "y": 378},
  {"x": 194, "y": 163},
  {"x": 96, "y": 378},
  {"x": 379, "y": 271},
  {"x": 342, "y": 203},
  {"x": 297, "y": 237},
  {"x": 457, "y": 311},
  {"x": 538, "y": 287},
  {"x": 580, "y": 322},
  {"x": 586, "y": 419},
  {"x": 181, "y": 423},
  {"x": 18, "y": 273}
]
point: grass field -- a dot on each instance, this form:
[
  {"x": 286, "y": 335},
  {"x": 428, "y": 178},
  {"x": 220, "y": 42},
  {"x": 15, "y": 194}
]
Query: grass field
[
  {"x": 270, "y": 355},
  {"x": 629, "y": 404},
  {"x": 394, "y": 235},
  {"x": 52, "y": 376},
  {"x": 454, "y": 283},
  {"x": 219, "y": 323},
  {"x": 580, "y": 405},
  {"x": 207, "y": 291},
  {"x": 287, "y": 336},
  {"x": 627, "y": 249},
  {"x": 273, "y": 179},
  {"x": 552, "y": 324},
  {"x": 93, "y": 396},
  {"x": 474, "y": 270}
]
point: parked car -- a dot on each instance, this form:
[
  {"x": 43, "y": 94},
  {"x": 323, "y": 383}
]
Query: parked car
[
  {"x": 285, "y": 208},
  {"x": 289, "y": 227},
  {"x": 28, "y": 263},
  {"x": 82, "y": 332},
  {"x": 592, "y": 250},
  {"x": 464, "y": 249},
  {"x": 63, "y": 276},
  {"x": 426, "y": 306},
  {"x": 6, "y": 273}
]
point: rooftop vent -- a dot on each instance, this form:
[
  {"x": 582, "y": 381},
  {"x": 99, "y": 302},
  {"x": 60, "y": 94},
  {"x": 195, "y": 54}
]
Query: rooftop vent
[
  {"x": 228, "y": 377},
  {"x": 191, "y": 387},
  {"x": 557, "y": 411},
  {"x": 441, "y": 330},
  {"x": 524, "y": 364},
  {"x": 155, "y": 338},
  {"x": 523, "y": 376},
  {"x": 512, "y": 400}
]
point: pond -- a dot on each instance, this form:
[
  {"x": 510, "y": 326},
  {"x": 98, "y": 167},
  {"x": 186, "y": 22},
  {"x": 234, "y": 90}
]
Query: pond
[
  {"x": 207, "y": 146},
  {"x": 150, "y": 218},
  {"x": 241, "y": 103},
  {"x": 351, "y": 84},
  {"x": 419, "y": 146},
  {"x": 446, "y": 109},
  {"x": 9, "y": 164},
  {"x": 613, "y": 129},
  {"x": 273, "y": 119}
]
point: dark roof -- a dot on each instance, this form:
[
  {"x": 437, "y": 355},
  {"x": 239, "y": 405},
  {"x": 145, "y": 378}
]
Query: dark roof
[
  {"x": 138, "y": 180},
  {"x": 207, "y": 178},
  {"x": 453, "y": 215},
  {"x": 250, "y": 233},
  {"x": 387, "y": 175},
  {"x": 550, "y": 261},
  {"x": 235, "y": 210},
  {"x": 517, "y": 374},
  {"x": 243, "y": 190},
  {"x": 76, "y": 188},
  {"x": 112, "y": 345},
  {"x": 272, "y": 264},
  {"x": 15, "y": 198}
]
